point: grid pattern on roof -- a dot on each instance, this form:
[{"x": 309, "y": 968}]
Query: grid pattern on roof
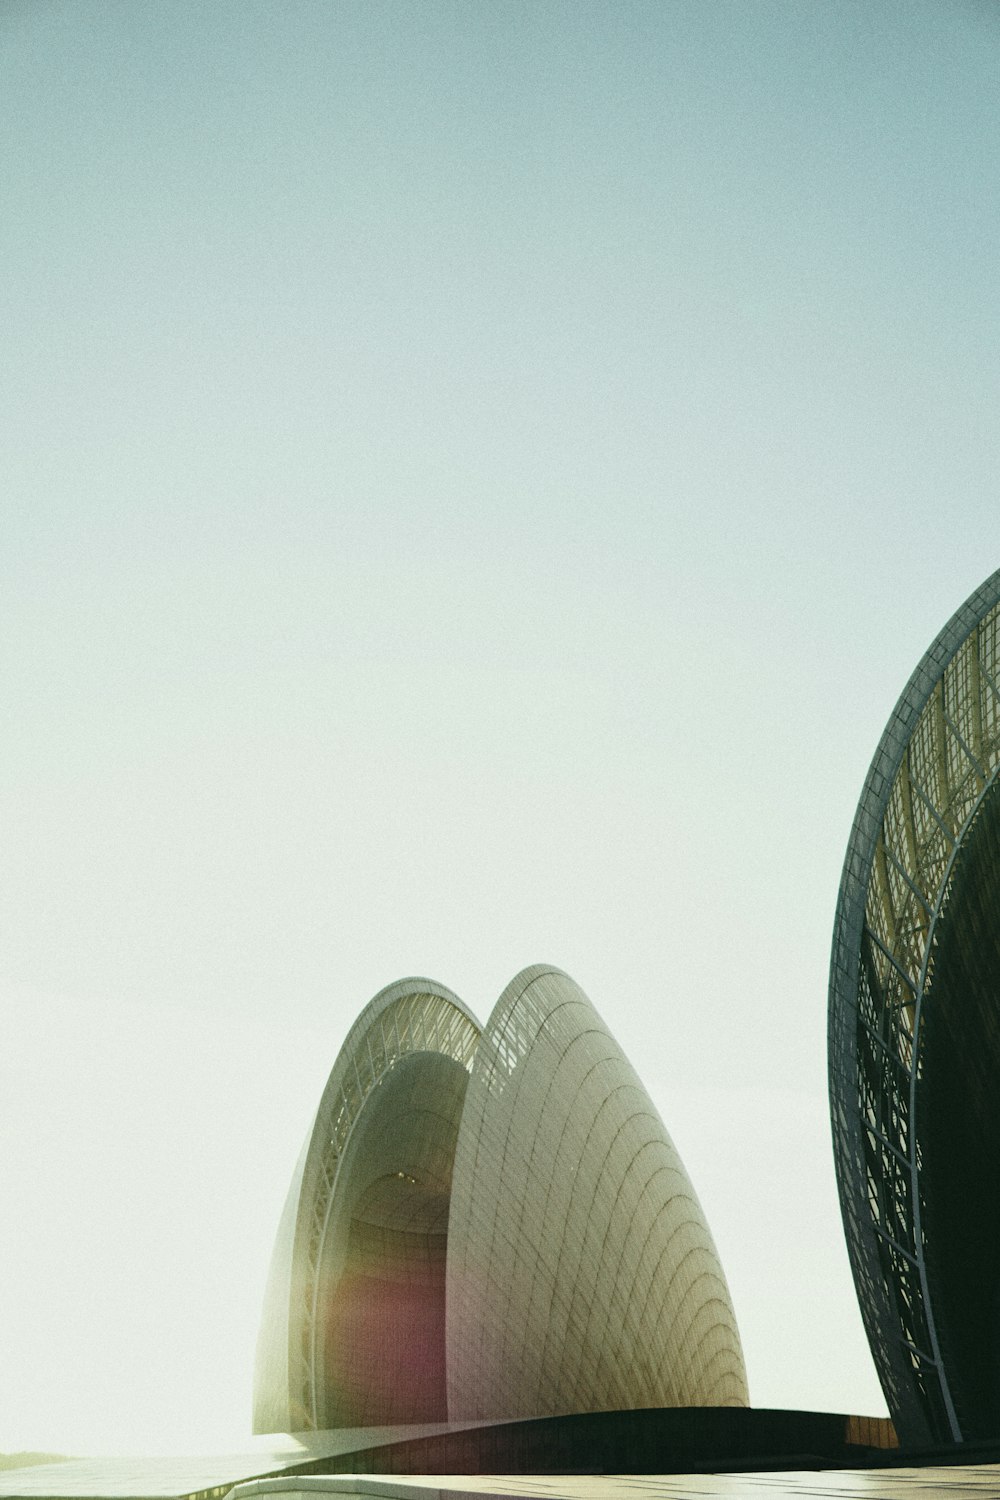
[
  {"x": 581, "y": 1272},
  {"x": 413, "y": 1015},
  {"x": 938, "y": 761}
]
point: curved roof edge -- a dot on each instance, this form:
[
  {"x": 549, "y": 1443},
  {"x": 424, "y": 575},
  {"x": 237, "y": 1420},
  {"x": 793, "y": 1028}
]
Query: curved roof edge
[
  {"x": 891, "y": 747},
  {"x": 409, "y": 1015},
  {"x": 582, "y": 1275},
  {"x": 893, "y": 1362}
]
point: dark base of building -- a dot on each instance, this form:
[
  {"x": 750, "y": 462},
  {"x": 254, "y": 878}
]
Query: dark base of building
[
  {"x": 681, "y": 1440},
  {"x": 726, "y": 1441}
]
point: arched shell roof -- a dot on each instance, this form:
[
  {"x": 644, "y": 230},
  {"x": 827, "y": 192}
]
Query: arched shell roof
[
  {"x": 412, "y": 1015},
  {"x": 581, "y": 1272},
  {"x": 937, "y": 761}
]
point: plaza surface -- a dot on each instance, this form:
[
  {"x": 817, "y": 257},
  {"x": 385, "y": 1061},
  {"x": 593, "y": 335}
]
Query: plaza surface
[
  {"x": 132, "y": 1479},
  {"x": 860, "y": 1484}
]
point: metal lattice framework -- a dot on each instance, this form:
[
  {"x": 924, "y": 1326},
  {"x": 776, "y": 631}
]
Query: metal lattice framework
[{"x": 937, "y": 762}]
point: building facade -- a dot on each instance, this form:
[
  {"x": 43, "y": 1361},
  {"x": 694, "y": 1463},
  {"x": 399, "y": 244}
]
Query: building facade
[
  {"x": 489, "y": 1223},
  {"x": 914, "y": 1039}
]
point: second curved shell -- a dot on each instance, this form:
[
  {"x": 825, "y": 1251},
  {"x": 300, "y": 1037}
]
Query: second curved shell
[{"x": 489, "y": 1225}]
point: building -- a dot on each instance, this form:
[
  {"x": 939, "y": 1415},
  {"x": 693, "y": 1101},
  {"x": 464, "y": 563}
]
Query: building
[
  {"x": 914, "y": 1039},
  {"x": 489, "y": 1223}
]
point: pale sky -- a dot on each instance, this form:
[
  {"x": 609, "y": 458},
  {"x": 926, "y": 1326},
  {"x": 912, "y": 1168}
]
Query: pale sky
[{"x": 476, "y": 478}]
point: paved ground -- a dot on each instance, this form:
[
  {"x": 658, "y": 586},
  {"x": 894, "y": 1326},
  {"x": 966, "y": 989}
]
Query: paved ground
[{"x": 861, "y": 1484}]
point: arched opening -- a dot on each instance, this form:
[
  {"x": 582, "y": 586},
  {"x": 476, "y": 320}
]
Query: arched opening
[
  {"x": 382, "y": 1270},
  {"x": 958, "y": 1127}
]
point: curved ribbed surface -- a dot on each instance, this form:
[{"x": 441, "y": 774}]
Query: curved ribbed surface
[
  {"x": 488, "y": 1226},
  {"x": 581, "y": 1272},
  {"x": 367, "y": 1203},
  {"x": 913, "y": 986}
]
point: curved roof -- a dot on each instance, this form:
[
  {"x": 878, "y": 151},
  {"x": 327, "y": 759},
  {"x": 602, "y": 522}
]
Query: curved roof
[
  {"x": 410, "y": 1016},
  {"x": 490, "y": 1224},
  {"x": 581, "y": 1272},
  {"x": 933, "y": 771}
]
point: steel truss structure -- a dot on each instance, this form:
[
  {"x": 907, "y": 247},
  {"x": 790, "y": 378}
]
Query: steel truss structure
[{"x": 897, "y": 1029}]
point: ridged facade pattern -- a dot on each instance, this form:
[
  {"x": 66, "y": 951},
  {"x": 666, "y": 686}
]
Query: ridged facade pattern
[
  {"x": 574, "y": 1224},
  {"x": 489, "y": 1225},
  {"x": 410, "y": 1017},
  {"x": 898, "y": 1021}
]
